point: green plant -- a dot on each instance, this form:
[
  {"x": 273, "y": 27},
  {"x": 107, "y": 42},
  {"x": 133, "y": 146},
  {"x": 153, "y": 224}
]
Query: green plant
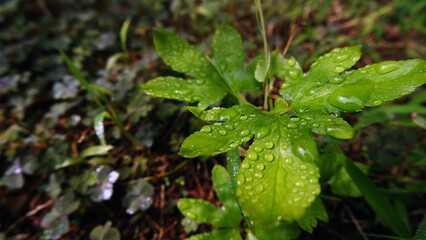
[{"x": 278, "y": 181}]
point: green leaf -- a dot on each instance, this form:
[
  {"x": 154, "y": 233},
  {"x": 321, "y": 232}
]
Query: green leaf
[
  {"x": 377, "y": 200},
  {"x": 96, "y": 150},
  {"x": 278, "y": 179},
  {"x": 200, "y": 90},
  {"x": 98, "y": 124},
  {"x": 229, "y": 58},
  {"x": 105, "y": 232},
  {"x": 280, "y": 231},
  {"x": 183, "y": 57},
  {"x": 224, "y": 192},
  {"x": 341, "y": 183},
  {"x": 326, "y": 85},
  {"x": 309, "y": 220},
  {"x": 231, "y": 234},
  {"x": 203, "y": 211}
]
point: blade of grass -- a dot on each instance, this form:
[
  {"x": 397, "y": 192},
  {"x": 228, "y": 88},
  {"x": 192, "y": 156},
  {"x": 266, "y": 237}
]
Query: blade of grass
[
  {"x": 377, "y": 200},
  {"x": 77, "y": 74},
  {"x": 123, "y": 34},
  {"x": 421, "y": 231}
]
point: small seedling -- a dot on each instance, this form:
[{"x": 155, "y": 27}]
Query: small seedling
[{"x": 278, "y": 181}]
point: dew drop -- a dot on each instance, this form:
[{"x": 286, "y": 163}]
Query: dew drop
[
  {"x": 339, "y": 69},
  {"x": 200, "y": 81},
  {"x": 217, "y": 123},
  {"x": 269, "y": 145},
  {"x": 303, "y": 166},
  {"x": 269, "y": 157},
  {"x": 238, "y": 192},
  {"x": 245, "y": 132},
  {"x": 258, "y": 148},
  {"x": 249, "y": 179},
  {"x": 243, "y": 117},
  {"x": 284, "y": 147},
  {"x": 377, "y": 103},
  {"x": 291, "y": 62},
  {"x": 262, "y": 132},
  {"x": 337, "y": 79},
  {"x": 351, "y": 97},
  {"x": 285, "y": 85},
  {"x": 340, "y": 131},
  {"x": 245, "y": 165},
  {"x": 299, "y": 184},
  {"x": 206, "y": 129},
  {"x": 191, "y": 215},
  {"x": 294, "y": 118},
  {"x": 177, "y": 85},
  {"x": 190, "y": 81},
  {"x": 259, "y": 188},
  {"x": 386, "y": 67},
  {"x": 260, "y": 167},
  {"x": 222, "y": 132},
  {"x": 240, "y": 179},
  {"x": 341, "y": 58},
  {"x": 228, "y": 127},
  {"x": 288, "y": 160},
  {"x": 292, "y": 125},
  {"x": 293, "y": 73},
  {"x": 251, "y": 155},
  {"x": 315, "y": 125},
  {"x": 258, "y": 175},
  {"x": 248, "y": 187}
]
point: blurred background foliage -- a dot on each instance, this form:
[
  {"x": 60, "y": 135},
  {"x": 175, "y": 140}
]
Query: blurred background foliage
[{"x": 66, "y": 167}]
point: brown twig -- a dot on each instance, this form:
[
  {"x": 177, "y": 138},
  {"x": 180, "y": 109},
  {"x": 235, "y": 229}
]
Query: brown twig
[
  {"x": 290, "y": 39},
  {"x": 355, "y": 221},
  {"x": 43, "y": 7},
  {"x": 29, "y": 214}
]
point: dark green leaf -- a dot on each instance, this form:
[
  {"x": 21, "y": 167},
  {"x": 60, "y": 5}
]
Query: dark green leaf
[{"x": 379, "y": 202}]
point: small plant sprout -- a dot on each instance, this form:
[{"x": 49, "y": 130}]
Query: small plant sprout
[
  {"x": 104, "y": 184},
  {"x": 277, "y": 184},
  {"x": 138, "y": 197}
]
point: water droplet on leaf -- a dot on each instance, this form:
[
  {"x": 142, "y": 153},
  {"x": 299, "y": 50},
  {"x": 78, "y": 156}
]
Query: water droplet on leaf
[{"x": 386, "y": 67}]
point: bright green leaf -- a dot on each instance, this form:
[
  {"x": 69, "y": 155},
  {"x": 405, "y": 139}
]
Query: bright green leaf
[
  {"x": 189, "y": 90},
  {"x": 309, "y": 220},
  {"x": 224, "y": 192},
  {"x": 279, "y": 176},
  {"x": 96, "y": 150},
  {"x": 280, "y": 231},
  {"x": 326, "y": 85},
  {"x": 229, "y": 58},
  {"x": 203, "y": 211},
  {"x": 222, "y": 234}
]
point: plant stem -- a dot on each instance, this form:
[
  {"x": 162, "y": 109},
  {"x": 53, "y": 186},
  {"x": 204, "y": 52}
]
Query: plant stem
[{"x": 262, "y": 29}]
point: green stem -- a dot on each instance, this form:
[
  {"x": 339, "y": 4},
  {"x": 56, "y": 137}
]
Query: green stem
[{"x": 262, "y": 29}]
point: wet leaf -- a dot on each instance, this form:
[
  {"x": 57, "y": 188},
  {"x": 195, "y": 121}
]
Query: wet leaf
[
  {"x": 138, "y": 197},
  {"x": 327, "y": 86},
  {"x": 96, "y": 150},
  {"x": 104, "y": 184},
  {"x": 105, "y": 232}
]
